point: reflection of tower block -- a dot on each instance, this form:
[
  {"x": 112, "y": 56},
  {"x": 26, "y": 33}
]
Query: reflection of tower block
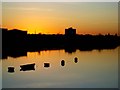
[{"x": 70, "y": 31}]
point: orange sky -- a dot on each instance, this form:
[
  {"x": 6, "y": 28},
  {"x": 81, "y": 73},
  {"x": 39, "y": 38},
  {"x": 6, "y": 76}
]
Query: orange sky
[{"x": 53, "y": 18}]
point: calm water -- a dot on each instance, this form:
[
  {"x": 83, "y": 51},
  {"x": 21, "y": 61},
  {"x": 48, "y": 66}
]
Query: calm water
[{"x": 94, "y": 69}]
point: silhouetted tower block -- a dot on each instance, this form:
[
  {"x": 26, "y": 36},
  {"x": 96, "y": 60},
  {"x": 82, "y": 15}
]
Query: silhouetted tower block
[
  {"x": 11, "y": 69},
  {"x": 70, "y": 31},
  {"x": 62, "y": 63}
]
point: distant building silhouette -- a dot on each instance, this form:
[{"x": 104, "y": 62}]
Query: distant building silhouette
[
  {"x": 70, "y": 31},
  {"x": 17, "y": 32},
  {"x": 4, "y": 29},
  {"x": 14, "y": 34}
]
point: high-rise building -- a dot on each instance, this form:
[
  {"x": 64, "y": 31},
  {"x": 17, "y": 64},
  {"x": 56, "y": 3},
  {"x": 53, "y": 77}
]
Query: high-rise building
[{"x": 70, "y": 31}]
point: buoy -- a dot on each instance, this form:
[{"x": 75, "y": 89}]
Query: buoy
[
  {"x": 75, "y": 59},
  {"x": 62, "y": 62}
]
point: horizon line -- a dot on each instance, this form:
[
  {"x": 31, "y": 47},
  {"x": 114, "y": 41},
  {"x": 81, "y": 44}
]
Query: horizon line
[{"x": 60, "y": 33}]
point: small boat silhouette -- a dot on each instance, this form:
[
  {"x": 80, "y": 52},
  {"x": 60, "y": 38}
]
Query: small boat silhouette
[
  {"x": 63, "y": 63},
  {"x": 46, "y": 64},
  {"x": 11, "y": 69},
  {"x": 27, "y": 67}
]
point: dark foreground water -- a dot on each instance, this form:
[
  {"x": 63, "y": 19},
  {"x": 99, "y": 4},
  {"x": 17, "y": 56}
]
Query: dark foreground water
[{"x": 94, "y": 69}]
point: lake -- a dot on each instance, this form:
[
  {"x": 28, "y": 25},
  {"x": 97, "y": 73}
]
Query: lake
[{"x": 94, "y": 69}]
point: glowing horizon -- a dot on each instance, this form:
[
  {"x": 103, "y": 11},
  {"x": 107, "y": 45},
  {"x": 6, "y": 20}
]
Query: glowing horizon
[{"x": 54, "y": 18}]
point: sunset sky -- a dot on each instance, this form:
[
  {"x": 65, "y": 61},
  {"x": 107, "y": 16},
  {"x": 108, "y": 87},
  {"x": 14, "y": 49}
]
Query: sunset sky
[{"x": 54, "y": 17}]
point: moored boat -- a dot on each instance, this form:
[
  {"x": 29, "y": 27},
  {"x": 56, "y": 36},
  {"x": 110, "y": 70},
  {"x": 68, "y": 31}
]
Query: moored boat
[
  {"x": 27, "y": 67},
  {"x": 11, "y": 69}
]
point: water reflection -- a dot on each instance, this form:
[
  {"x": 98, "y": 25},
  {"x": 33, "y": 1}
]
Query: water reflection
[
  {"x": 82, "y": 69},
  {"x": 18, "y": 52}
]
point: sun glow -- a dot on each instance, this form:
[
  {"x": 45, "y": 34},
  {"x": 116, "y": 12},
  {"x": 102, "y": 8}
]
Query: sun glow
[{"x": 53, "y": 18}]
